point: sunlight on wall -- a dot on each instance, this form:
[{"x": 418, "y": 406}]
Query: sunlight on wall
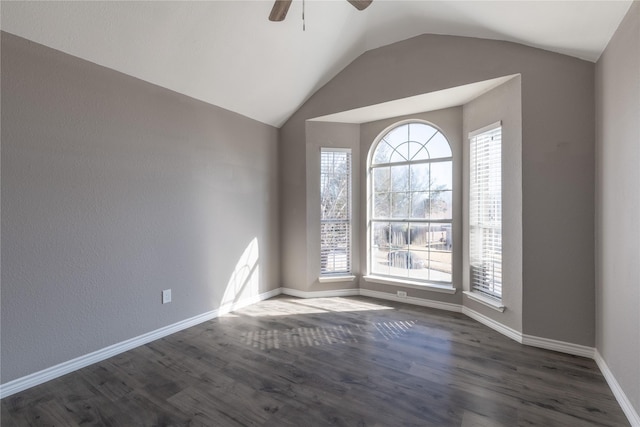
[{"x": 245, "y": 279}]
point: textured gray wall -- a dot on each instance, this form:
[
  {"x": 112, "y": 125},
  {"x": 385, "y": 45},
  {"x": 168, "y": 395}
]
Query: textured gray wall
[
  {"x": 557, "y": 161},
  {"x": 504, "y": 104},
  {"x": 618, "y": 205},
  {"x": 112, "y": 190}
]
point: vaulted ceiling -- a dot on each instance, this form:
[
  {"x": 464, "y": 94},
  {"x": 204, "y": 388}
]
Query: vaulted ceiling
[{"x": 228, "y": 54}]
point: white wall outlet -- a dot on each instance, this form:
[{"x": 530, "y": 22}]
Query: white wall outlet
[
  {"x": 166, "y": 296},
  {"x": 402, "y": 294}
]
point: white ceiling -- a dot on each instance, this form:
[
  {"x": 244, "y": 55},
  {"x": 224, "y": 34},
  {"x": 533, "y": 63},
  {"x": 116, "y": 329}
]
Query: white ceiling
[{"x": 228, "y": 54}]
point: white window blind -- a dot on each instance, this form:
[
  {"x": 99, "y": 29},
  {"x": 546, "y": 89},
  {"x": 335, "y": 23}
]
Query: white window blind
[
  {"x": 485, "y": 211},
  {"x": 335, "y": 205}
]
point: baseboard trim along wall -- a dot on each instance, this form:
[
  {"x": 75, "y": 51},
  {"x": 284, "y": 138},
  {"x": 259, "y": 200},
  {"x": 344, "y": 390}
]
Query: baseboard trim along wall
[
  {"x": 621, "y": 397},
  {"x": 412, "y": 300},
  {"x": 64, "y": 368},
  {"x": 496, "y": 326},
  {"x": 56, "y": 371},
  {"x": 561, "y": 346}
]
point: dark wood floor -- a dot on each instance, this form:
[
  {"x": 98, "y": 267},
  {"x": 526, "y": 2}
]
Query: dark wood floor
[{"x": 327, "y": 362}]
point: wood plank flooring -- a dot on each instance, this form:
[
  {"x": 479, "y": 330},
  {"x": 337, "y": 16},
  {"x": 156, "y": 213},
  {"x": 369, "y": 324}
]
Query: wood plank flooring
[{"x": 327, "y": 362}]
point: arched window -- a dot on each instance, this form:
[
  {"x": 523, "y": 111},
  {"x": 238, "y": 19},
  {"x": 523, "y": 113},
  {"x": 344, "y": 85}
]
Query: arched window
[{"x": 410, "y": 212}]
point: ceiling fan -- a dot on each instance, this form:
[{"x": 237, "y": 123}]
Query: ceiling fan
[{"x": 280, "y": 8}]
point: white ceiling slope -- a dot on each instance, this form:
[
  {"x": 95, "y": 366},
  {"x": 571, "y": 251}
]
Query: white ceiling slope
[{"x": 228, "y": 54}]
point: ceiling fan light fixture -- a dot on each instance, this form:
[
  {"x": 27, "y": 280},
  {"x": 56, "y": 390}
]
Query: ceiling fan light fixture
[
  {"x": 279, "y": 10},
  {"x": 281, "y": 7},
  {"x": 360, "y": 4}
]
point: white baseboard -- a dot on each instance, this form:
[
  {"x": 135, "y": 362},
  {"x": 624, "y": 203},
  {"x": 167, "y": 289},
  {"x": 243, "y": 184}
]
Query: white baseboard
[
  {"x": 69, "y": 366},
  {"x": 561, "y": 346},
  {"x": 530, "y": 340},
  {"x": 320, "y": 294},
  {"x": 496, "y": 326},
  {"x": 412, "y": 300},
  {"x": 621, "y": 397}
]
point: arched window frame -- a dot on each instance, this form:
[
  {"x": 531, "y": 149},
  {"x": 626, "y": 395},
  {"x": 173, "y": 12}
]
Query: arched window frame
[{"x": 373, "y": 273}]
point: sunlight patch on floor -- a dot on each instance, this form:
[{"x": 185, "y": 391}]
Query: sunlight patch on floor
[
  {"x": 267, "y": 339},
  {"x": 293, "y": 306}
]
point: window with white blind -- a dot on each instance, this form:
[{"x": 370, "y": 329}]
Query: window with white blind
[
  {"x": 485, "y": 210},
  {"x": 335, "y": 211}
]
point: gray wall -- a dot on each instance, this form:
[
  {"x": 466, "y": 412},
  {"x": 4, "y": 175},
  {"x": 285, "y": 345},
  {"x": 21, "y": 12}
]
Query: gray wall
[
  {"x": 557, "y": 161},
  {"x": 504, "y": 104},
  {"x": 618, "y": 205},
  {"x": 112, "y": 190}
]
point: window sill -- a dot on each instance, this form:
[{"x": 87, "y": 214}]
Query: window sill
[
  {"x": 410, "y": 284},
  {"x": 337, "y": 278},
  {"x": 489, "y": 302}
]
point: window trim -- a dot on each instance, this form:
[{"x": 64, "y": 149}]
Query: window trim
[
  {"x": 327, "y": 277},
  {"x": 485, "y": 300},
  {"x": 370, "y": 276}
]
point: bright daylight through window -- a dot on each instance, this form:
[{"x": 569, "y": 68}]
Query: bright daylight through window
[
  {"x": 485, "y": 211},
  {"x": 335, "y": 205},
  {"x": 411, "y": 196}
]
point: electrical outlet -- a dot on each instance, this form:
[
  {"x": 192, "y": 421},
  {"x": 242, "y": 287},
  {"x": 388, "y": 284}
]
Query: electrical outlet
[
  {"x": 166, "y": 296},
  {"x": 402, "y": 294}
]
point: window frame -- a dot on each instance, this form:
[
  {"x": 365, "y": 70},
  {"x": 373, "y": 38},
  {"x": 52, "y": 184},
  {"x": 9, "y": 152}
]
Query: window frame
[
  {"x": 325, "y": 276},
  {"x": 486, "y": 292},
  {"x": 411, "y": 282}
]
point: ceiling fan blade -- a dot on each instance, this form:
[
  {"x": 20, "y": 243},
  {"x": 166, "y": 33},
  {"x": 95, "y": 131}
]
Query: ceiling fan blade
[
  {"x": 360, "y": 4},
  {"x": 279, "y": 11}
]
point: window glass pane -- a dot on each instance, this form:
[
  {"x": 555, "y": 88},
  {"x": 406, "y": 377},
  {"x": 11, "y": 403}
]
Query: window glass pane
[
  {"x": 440, "y": 204},
  {"x": 397, "y": 136},
  {"x": 398, "y": 257},
  {"x": 381, "y": 205},
  {"x": 383, "y": 153},
  {"x": 421, "y": 132},
  {"x": 419, "y": 180},
  {"x": 414, "y": 147},
  {"x": 420, "y": 207},
  {"x": 399, "y": 205},
  {"x": 335, "y": 198},
  {"x": 418, "y": 251},
  {"x": 398, "y": 235},
  {"x": 380, "y": 248},
  {"x": 441, "y": 176},
  {"x": 381, "y": 179},
  {"x": 440, "y": 250},
  {"x": 419, "y": 237},
  {"x": 401, "y": 153},
  {"x": 422, "y": 154},
  {"x": 400, "y": 178},
  {"x": 438, "y": 147}
]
